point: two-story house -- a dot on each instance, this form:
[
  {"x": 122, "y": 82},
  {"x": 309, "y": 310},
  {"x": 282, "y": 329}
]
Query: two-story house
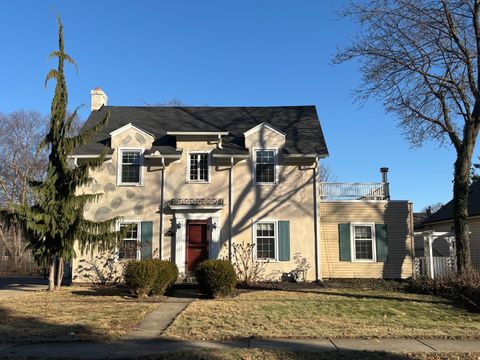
[{"x": 193, "y": 181}]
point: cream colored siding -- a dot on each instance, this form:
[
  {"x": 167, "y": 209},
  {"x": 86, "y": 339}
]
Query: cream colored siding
[
  {"x": 474, "y": 227},
  {"x": 291, "y": 199},
  {"x": 396, "y": 217}
]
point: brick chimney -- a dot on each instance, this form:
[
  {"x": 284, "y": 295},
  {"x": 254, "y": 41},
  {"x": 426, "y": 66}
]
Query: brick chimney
[{"x": 99, "y": 98}]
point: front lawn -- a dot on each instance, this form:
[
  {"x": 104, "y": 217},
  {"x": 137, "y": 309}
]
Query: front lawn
[
  {"x": 328, "y": 313},
  {"x": 73, "y": 313}
]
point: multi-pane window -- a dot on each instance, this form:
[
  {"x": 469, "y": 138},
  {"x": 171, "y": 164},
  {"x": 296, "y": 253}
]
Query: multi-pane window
[
  {"x": 363, "y": 240},
  {"x": 130, "y": 246},
  {"x": 265, "y": 240},
  {"x": 265, "y": 166},
  {"x": 198, "y": 167},
  {"x": 130, "y": 166}
]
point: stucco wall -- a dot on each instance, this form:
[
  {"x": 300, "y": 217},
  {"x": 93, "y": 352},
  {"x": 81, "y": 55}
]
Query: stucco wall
[
  {"x": 290, "y": 199},
  {"x": 395, "y": 215}
]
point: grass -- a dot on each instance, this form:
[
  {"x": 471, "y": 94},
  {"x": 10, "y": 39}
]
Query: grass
[
  {"x": 76, "y": 313},
  {"x": 251, "y": 354},
  {"x": 332, "y": 313}
]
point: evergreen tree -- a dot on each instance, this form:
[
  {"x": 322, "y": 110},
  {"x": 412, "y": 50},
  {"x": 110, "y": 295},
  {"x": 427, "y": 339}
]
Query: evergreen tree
[{"x": 56, "y": 220}]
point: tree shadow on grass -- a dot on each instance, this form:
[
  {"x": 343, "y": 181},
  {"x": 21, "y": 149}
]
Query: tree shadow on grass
[
  {"x": 103, "y": 291},
  {"x": 321, "y": 290},
  {"x": 26, "y": 329}
]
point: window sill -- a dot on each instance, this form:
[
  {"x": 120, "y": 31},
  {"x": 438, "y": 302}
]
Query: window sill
[
  {"x": 266, "y": 260},
  {"x": 364, "y": 261},
  {"x": 129, "y": 185},
  {"x": 197, "y": 182},
  {"x": 267, "y": 184}
]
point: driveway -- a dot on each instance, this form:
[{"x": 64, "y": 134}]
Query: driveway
[{"x": 17, "y": 285}]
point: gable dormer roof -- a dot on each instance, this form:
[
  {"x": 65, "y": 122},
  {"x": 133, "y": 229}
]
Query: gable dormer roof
[{"x": 300, "y": 124}]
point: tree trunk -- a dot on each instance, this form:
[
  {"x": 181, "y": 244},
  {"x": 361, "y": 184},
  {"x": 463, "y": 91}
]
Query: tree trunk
[
  {"x": 461, "y": 186},
  {"x": 59, "y": 273},
  {"x": 51, "y": 275}
]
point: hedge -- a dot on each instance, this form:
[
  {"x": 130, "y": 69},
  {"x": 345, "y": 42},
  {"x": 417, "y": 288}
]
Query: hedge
[{"x": 150, "y": 277}]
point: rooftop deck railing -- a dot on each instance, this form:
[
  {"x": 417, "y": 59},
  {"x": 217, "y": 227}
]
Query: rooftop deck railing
[{"x": 353, "y": 191}]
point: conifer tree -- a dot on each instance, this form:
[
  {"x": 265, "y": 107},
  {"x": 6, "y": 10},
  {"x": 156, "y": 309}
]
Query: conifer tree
[{"x": 56, "y": 221}]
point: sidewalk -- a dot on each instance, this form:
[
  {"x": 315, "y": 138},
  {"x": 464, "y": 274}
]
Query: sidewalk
[{"x": 135, "y": 348}]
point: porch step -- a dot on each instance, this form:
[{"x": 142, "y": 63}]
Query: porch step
[{"x": 185, "y": 286}]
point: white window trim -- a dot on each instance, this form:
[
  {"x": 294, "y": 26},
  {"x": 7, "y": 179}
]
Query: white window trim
[
  {"x": 254, "y": 239},
  {"x": 352, "y": 242},
  {"x": 119, "y": 167},
  {"x": 209, "y": 157},
  {"x": 254, "y": 165},
  {"x": 139, "y": 233}
]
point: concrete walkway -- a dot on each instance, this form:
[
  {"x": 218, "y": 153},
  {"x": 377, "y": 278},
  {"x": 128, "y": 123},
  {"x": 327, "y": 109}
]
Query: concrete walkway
[
  {"x": 159, "y": 319},
  {"x": 135, "y": 348}
]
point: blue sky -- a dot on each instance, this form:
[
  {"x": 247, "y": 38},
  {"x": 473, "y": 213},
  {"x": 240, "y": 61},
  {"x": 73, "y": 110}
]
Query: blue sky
[{"x": 221, "y": 53}]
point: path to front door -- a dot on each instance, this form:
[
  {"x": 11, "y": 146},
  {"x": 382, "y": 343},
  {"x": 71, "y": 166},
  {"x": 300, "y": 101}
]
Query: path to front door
[{"x": 197, "y": 243}]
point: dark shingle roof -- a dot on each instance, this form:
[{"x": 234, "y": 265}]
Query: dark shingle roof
[
  {"x": 300, "y": 123},
  {"x": 446, "y": 211}
]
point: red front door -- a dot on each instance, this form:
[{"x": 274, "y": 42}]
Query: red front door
[{"x": 197, "y": 243}]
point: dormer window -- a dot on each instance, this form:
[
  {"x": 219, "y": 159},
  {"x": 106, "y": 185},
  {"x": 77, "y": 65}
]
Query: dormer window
[
  {"x": 198, "y": 167},
  {"x": 264, "y": 166},
  {"x": 130, "y": 167}
]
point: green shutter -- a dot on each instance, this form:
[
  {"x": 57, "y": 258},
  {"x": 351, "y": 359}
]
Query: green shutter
[
  {"x": 146, "y": 239},
  {"x": 381, "y": 242},
  {"x": 284, "y": 240},
  {"x": 344, "y": 242}
]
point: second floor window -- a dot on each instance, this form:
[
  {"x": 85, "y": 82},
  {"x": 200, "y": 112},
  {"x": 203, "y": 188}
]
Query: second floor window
[
  {"x": 130, "y": 167},
  {"x": 265, "y": 167},
  {"x": 198, "y": 167}
]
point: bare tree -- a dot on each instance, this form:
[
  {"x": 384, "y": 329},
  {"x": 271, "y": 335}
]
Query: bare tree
[
  {"x": 420, "y": 57},
  {"x": 326, "y": 173},
  {"x": 20, "y": 162},
  {"x": 430, "y": 209}
]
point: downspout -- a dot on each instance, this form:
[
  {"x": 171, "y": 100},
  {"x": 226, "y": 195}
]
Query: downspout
[
  {"x": 230, "y": 209},
  {"x": 161, "y": 209},
  {"x": 315, "y": 223}
]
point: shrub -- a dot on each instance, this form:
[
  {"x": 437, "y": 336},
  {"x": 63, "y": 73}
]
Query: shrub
[
  {"x": 216, "y": 277},
  {"x": 153, "y": 276},
  {"x": 167, "y": 274},
  {"x": 461, "y": 287},
  {"x": 140, "y": 276}
]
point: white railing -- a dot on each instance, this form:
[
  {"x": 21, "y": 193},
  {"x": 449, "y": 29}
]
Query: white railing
[{"x": 353, "y": 191}]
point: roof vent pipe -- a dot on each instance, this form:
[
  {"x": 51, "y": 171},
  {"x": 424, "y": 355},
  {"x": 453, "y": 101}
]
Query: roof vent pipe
[{"x": 386, "y": 184}]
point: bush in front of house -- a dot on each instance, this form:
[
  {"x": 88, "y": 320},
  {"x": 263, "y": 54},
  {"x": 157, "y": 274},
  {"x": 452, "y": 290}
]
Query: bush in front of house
[
  {"x": 216, "y": 277},
  {"x": 152, "y": 276},
  {"x": 166, "y": 275},
  {"x": 460, "y": 287},
  {"x": 139, "y": 276}
]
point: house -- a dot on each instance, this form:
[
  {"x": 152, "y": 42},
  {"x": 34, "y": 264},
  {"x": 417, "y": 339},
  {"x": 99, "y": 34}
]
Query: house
[
  {"x": 442, "y": 221},
  {"x": 194, "y": 181}
]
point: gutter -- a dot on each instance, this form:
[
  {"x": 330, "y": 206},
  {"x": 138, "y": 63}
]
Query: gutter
[
  {"x": 318, "y": 276},
  {"x": 162, "y": 190}
]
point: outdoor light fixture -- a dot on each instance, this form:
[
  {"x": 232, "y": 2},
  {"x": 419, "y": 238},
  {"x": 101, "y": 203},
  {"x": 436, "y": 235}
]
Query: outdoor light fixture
[
  {"x": 179, "y": 225},
  {"x": 214, "y": 225}
]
